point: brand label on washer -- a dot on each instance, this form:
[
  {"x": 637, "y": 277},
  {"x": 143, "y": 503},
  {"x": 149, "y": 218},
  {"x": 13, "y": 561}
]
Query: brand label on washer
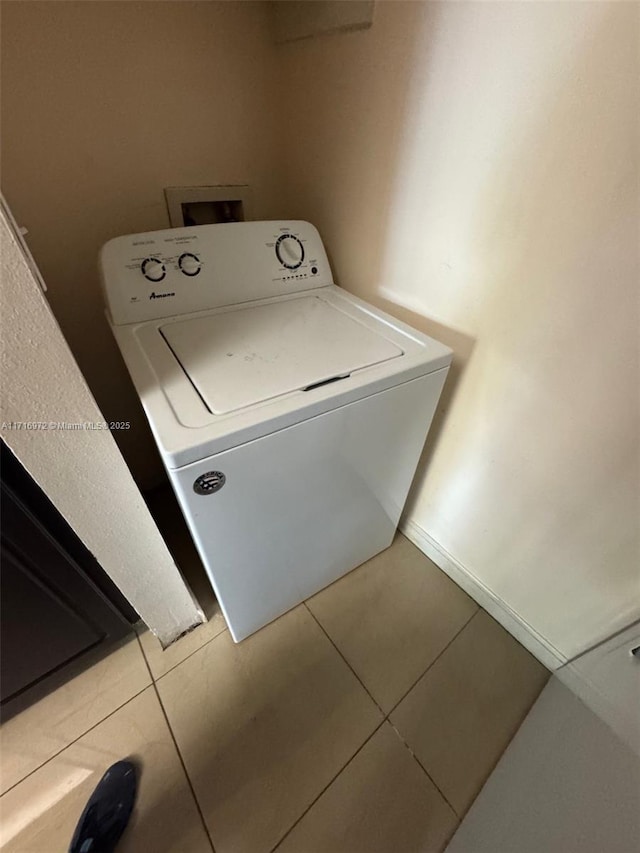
[{"x": 207, "y": 484}]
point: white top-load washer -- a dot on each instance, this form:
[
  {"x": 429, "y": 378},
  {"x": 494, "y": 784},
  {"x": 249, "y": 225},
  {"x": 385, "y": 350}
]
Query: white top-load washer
[{"x": 289, "y": 414}]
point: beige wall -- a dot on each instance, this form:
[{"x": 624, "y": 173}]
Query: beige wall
[
  {"x": 472, "y": 167},
  {"x": 81, "y": 471},
  {"x": 103, "y": 105},
  {"x": 475, "y": 165}
]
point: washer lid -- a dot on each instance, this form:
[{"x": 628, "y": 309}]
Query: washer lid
[{"x": 247, "y": 355}]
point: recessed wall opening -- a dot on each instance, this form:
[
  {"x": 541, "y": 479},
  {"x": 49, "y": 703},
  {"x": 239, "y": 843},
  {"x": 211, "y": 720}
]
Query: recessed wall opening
[
  {"x": 207, "y": 212},
  {"x": 207, "y": 205}
]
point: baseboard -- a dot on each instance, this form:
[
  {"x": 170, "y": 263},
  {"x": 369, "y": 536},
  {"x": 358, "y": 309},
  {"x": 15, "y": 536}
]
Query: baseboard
[{"x": 488, "y": 600}]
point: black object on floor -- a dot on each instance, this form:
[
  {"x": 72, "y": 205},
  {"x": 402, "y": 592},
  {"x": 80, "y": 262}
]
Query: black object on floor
[{"x": 107, "y": 812}]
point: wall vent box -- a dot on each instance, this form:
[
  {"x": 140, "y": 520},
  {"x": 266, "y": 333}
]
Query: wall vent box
[{"x": 207, "y": 205}]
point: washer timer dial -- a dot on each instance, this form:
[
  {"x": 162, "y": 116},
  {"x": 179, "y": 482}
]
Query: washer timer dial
[
  {"x": 290, "y": 251},
  {"x": 153, "y": 269}
]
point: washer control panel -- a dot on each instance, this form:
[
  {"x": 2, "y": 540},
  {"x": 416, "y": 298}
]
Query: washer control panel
[
  {"x": 155, "y": 268},
  {"x": 183, "y": 270}
]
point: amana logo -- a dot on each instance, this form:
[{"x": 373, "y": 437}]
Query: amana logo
[{"x": 155, "y": 295}]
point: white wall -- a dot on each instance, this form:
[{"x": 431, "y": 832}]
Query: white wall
[
  {"x": 82, "y": 472},
  {"x": 475, "y": 165}
]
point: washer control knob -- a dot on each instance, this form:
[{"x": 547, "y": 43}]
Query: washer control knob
[
  {"x": 189, "y": 263},
  {"x": 290, "y": 251},
  {"x": 153, "y": 269}
]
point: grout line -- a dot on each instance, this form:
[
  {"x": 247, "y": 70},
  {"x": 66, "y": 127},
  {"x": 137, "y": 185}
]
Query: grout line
[
  {"x": 321, "y": 626},
  {"x": 388, "y": 714},
  {"x": 436, "y": 658},
  {"x": 153, "y": 684},
  {"x": 155, "y": 678},
  {"x": 184, "y": 767},
  {"x": 76, "y": 739},
  {"x": 346, "y": 764},
  {"x": 424, "y": 770},
  {"x": 412, "y": 753},
  {"x": 144, "y": 657},
  {"x": 328, "y": 785}
]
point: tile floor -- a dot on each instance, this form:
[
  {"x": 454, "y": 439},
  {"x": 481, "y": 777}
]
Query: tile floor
[{"x": 366, "y": 719}]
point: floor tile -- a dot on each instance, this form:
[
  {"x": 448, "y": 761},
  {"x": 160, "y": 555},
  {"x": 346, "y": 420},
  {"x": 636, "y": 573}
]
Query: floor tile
[
  {"x": 382, "y": 802},
  {"x": 48, "y": 726},
  {"x": 463, "y": 712},
  {"x": 166, "y": 512},
  {"x": 264, "y": 726},
  {"x": 162, "y": 660},
  {"x": 391, "y": 618},
  {"x": 40, "y": 814}
]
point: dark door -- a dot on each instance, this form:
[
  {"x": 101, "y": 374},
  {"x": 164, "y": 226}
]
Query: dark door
[{"x": 58, "y": 608}]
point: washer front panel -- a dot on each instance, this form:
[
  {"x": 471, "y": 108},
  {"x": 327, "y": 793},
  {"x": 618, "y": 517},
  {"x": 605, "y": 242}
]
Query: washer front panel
[{"x": 305, "y": 505}]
